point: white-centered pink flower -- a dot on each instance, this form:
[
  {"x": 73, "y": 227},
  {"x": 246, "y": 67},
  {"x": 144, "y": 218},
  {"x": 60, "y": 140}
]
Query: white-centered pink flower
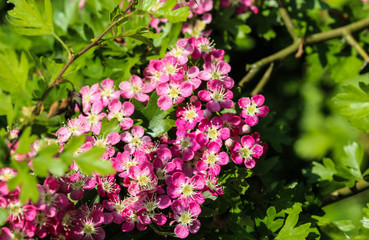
[{"x": 136, "y": 88}]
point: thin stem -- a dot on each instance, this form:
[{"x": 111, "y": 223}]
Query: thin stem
[
  {"x": 287, "y": 20},
  {"x": 351, "y": 40},
  {"x": 63, "y": 44},
  {"x": 310, "y": 40},
  {"x": 264, "y": 80},
  {"x": 345, "y": 192}
]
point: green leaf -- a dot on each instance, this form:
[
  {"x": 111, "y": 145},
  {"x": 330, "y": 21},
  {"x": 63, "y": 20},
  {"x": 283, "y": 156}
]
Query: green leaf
[
  {"x": 13, "y": 72},
  {"x": 25, "y": 141},
  {"x": 159, "y": 122},
  {"x": 325, "y": 171},
  {"x": 269, "y": 220},
  {"x": 6, "y": 108},
  {"x": 90, "y": 162},
  {"x": 289, "y": 231},
  {"x": 164, "y": 10},
  {"x": 45, "y": 162},
  {"x": 109, "y": 126},
  {"x": 3, "y": 216},
  {"x": 353, "y": 103},
  {"x": 350, "y": 160},
  {"x": 27, "y": 182},
  {"x": 27, "y": 19}
]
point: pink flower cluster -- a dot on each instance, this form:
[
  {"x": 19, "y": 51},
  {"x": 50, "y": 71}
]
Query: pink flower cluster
[
  {"x": 159, "y": 181},
  {"x": 200, "y": 14}
]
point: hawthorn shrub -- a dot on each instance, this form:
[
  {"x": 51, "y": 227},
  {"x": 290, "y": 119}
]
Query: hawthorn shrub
[{"x": 137, "y": 119}]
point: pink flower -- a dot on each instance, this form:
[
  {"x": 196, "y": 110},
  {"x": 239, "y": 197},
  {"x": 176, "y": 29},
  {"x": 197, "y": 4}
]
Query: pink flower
[
  {"x": 172, "y": 93},
  {"x": 141, "y": 179},
  {"x": 252, "y": 109},
  {"x": 217, "y": 97},
  {"x": 217, "y": 72},
  {"x": 181, "y": 51},
  {"x": 121, "y": 112},
  {"x": 107, "y": 185},
  {"x": 89, "y": 96},
  {"x": 189, "y": 116},
  {"x": 75, "y": 127},
  {"x": 212, "y": 159},
  {"x": 170, "y": 69},
  {"x": 108, "y": 92},
  {"x": 186, "y": 216},
  {"x": 185, "y": 144},
  {"x": 187, "y": 189},
  {"x": 248, "y": 151},
  {"x": 212, "y": 131},
  {"x": 88, "y": 227},
  {"x": 135, "y": 140},
  {"x": 94, "y": 117},
  {"x": 135, "y": 88}
]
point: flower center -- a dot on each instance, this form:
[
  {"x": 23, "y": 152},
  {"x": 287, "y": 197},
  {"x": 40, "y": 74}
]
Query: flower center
[
  {"x": 213, "y": 133},
  {"x": 119, "y": 116},
  {"x": 47, "y": 198},
  {"x": 177, "y": 52},
  {"x": 18, "y": 235},
  {"x": 185, "y": 143},
  {"x": 15, "y": 209},
  {"x": 74, "y": 129},
  {"x": 174, "y": 92},
  {"x": 41, "y": 218},
  {"x": 161, "y": 173},
  {"x": 245, "y": 152},
  {"x": 218, "y": 96},
  {"x": 211, "y": 159},
  {"x": 136, "y": 142},
  {"x": 107, "y": 92},
  {"x": 143, "y": 180},
  {"x": 190, "y": 114},
  {"x": 6, "y": 175},
  {"x": 93, "y": 119},
  {"x": 135, "y": 89},
  {"x": 107, "y": 186},
  {"x": 216, "y": 75},
  {"x": 251, "y": 110},
  {"x": 185, "y": 218},
  {"x": 89, "y": 228},
  {"x": 187, "y": 190},
  {"x": 150, "y": 206},
  {"x": 78, "y": 185},
  {"x": 119, "y": 207},
  {"x": 100, "y": 143},
  {"x": 170, "y": 69}
]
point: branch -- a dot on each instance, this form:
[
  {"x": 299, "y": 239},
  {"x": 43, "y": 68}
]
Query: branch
[
  {"x": 345, "y": 192},
  {"x": 310, "y": 40},
  {"x": 351, "y": 40},
  {"x": 59, "y": 77},
  {"x": 287, "y": 20},
  {"x": 264, "y": 80}
]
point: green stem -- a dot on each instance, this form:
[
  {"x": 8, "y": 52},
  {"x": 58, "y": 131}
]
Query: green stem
[
  {"x": 63, "y": 44},
  {"x": 309, "y": 40}
]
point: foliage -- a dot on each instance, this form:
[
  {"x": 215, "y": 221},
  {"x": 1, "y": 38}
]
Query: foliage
[{"x": 313, "y": 143}]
